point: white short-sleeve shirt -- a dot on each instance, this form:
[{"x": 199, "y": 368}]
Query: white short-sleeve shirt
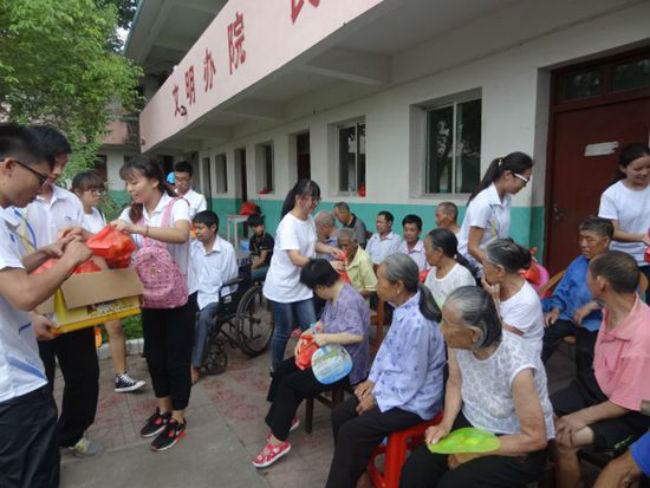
[
  {"x": 488, "y": 401},
  {"x": 523, "y": 310},
  {"x": 94, "y": 221},
  {"x": 282, "y": 282},
  {"x": 21, "y": 368},
  {"x": 417, "y": 254},
  {"x": 378, "y": 248},
  {"x": 441, "y": 287},
  {"x": 215, "y": 267},
  {"x": 46, "y": 219},
  {"x": 632, "y": 210},
  {"x": 197, "y": 202},
  {"x": 180, "y": 211},
  {"x": 488, "y": 212}
]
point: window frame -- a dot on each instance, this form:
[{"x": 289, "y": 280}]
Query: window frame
[{"x": 347, "y": 125}]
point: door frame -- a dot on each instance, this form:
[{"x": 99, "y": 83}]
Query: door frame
[{"x": 555, "y": 107}]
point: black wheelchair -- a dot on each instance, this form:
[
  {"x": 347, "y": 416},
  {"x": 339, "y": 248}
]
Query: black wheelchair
[{"x": 243, "y": 320}]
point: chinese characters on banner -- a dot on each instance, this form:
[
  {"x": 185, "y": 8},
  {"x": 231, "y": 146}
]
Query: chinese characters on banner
[
  {"x": 296, "y": 7},
  {"x": 190, "y": 93},
  {"x": 236, "y": 53},
  {"x": 208, "y": 70},
  {"x": 177, "y": 106}
]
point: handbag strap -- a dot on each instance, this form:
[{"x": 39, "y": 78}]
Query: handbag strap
[{"x": 166, "y": 219}]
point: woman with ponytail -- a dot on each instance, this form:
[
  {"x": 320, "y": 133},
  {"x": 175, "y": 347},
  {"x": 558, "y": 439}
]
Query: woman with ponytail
[
  {"x": 487, "y": 217},
  {"x": 405, "y": 385},
  {"x": 518, "y": 302},
  {"x": 627, "y": 204},
  {"x": 449, "y": 270},
  {"x": 295, "y": 244}
]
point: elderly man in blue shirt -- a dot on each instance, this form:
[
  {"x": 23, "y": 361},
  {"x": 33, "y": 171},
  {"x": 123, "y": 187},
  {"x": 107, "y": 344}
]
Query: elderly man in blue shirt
[
  {"x": 571, "y": 310},
  {"x": 405, "y": 386}
]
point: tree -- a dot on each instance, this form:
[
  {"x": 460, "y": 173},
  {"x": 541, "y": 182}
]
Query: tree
[{"x": 57, "y": 66}]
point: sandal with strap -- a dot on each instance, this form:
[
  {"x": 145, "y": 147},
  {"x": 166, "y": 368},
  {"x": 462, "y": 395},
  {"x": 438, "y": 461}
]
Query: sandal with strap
[{"x": 263, "y": 460}]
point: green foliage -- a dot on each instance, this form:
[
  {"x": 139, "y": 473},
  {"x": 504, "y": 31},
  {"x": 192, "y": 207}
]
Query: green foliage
[
  {"x": 131, "y": 327},
  {"x": 57, "y": 66}
]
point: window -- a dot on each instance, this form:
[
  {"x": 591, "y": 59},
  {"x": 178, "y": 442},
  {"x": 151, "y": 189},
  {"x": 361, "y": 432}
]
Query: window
[
  {"x": 454, "y": 147},
  {"x": 206, "y": 180},
  {"x": 264, "y": 168},
  {"x": 221, "y": 174},
  {"x": 577, "y": 86},
  {"x": 352, "y": 158},
  {"x": 631, "y": 75}
]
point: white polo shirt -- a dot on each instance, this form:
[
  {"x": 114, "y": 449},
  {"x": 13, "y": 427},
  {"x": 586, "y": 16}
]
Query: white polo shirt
[
  {"x": 48, "y": 218},
  {"x": 197, "y": 202},
  {"x": 215, "y": 267},
  {"x": 180, "y": 211},
  {"x": 379, "y": 247},
  {"x": 488, "y": 212},
  {"x": 21, "y": 368},
  {"x": 94, "y": 221},
  {"x": 417, "y": 254}
]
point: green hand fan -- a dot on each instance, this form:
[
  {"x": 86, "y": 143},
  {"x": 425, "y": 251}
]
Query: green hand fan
[{"x": 466, "y": 440}]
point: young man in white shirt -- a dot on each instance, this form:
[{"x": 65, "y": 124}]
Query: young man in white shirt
[
  {"x": 30, "y": 453},
  {"x": 217, "y": 264},
  {"x": 52, "y": 212},
  {"x": 412, "y": 244},
  {"x": 183, "y": 185},
  {"x": 384, "y": 242}
]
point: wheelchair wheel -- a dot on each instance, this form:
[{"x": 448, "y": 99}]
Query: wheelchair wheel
[
  {"x": 216, "y": 358},
  {"x": 254, "y": 322}
]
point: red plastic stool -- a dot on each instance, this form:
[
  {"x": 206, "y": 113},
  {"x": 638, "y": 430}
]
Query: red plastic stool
[{"x": 395, "y": 453}]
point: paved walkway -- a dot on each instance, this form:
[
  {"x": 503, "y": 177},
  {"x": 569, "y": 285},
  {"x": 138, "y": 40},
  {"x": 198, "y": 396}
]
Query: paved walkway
[{"x": 225, "y": 430}]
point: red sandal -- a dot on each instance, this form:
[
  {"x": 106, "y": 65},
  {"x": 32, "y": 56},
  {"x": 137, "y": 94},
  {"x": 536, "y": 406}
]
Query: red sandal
[{"x": 275, "y": 452}]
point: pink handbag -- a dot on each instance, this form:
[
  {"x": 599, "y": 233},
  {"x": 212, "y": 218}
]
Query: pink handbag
[{"x": 164, "y": 284}]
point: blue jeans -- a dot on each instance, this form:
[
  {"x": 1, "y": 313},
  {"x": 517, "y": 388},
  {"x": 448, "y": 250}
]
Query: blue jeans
[
  {"x": 202, "y": 329},
  {"x": 286, "y": 316}
]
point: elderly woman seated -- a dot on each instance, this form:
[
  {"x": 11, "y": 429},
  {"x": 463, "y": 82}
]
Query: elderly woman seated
[
  {"x": 358, "y": 264},
  {"x": 345, "y": 321},
  {"x": 496, "y": 384},
  {"x": 406, "y": 379}
]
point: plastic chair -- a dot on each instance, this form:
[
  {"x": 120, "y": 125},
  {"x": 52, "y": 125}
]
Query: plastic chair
[{"x": 394, "y": 452}]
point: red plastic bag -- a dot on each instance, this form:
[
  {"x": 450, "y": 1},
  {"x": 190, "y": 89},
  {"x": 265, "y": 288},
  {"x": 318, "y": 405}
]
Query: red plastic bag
[
  {"x": 306, "y": 349},
  {"x": 423, "y": 275},
  {"x": 249, "y": 208},
  {"x": 86, "y": 267},
  {"x": 114, "y": 246}
]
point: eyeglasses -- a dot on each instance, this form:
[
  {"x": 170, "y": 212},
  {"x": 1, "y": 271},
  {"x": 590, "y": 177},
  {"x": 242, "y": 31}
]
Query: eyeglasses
[
  {"x": 42, "y": 178},
  {"x": 96, "y": 191},
  {"x": 522, "y": 178}
]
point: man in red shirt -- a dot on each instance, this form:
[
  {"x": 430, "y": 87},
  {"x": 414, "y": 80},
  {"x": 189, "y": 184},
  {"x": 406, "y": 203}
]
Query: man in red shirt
[{"x": 606, "y": 414}]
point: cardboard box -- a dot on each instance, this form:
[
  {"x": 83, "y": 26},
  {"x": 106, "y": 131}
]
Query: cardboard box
[{"x": 88, "y": 299}]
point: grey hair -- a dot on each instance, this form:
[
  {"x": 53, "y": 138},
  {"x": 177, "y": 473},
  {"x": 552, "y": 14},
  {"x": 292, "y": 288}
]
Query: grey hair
[
  {"x": 400, "y": 267},
  {"x": 325, "y": 217},
  {"x": 477, "y": 309},
  {"x": 347, "y": 232},
  {"x": 342, "y": 206}
]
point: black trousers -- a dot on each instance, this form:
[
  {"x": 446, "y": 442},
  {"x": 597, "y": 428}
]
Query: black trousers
[
  {"x": 423, "y": 469},
  {"x": 29, "y": 454},
  {"x": 289, "y": 387},
  {"x": 168, "y": 338},
  {"x": 584, "y": 348},
  {"x": 77, "y": 356},
  {"x": 356, "y": 436}
]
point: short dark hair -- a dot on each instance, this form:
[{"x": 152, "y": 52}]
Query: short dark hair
[
  {"x": 255, "y": 220},
  {"x": 207, "y": 218},
  {"x": 449, "y": 208},
  {"x": 22, "y": 143},
  {"x": 184, "y": 167},
  {"x": 342, "y": 206},
  {"x": 318, "y": 272},
  {"x": 617, "y": 267},
  {"x": 412, "y": 219},
  {"x": 602, "y": 227},
  {"x": 387, "y": 215},
  {"x": 54, "y": 142},
  {"x": 87, "y": 180}
]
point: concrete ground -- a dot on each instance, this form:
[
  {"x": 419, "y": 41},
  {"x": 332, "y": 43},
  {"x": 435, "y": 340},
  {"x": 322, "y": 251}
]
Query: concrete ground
[{"x": 225, "y": 431}]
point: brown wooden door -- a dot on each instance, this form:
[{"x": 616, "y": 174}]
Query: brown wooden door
[
  {"x": 585, "y": 139},
  {"x": 303, "y": 156}
]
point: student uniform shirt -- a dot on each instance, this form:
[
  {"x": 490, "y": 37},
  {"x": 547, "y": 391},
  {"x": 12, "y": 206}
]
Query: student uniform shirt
[
  {"x": 21, "y": 368},
  {"x": 488, "y": 212},
  {"x": 632, "y": 210},
  {"x": 47, "y": 219},
  {"x": 196, "y": 200},
  {"x": 282, "y": 282},
  {"x": 215, "y": 267},
  {"x": 180, "y": 211},
  {"x": 94, "y": 221}
]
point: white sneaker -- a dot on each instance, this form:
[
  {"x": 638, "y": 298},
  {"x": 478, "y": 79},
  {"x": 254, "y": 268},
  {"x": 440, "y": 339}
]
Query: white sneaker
[{"x": 124, "y": 383}]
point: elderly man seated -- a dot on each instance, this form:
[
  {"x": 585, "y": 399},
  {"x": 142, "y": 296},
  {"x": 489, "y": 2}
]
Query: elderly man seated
[
  {"x": 326, "y": 230},
  {"x": 608, "y": 413},
  {"x": 351, "y": 221},
  {"x": 358, "y": 264}
]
